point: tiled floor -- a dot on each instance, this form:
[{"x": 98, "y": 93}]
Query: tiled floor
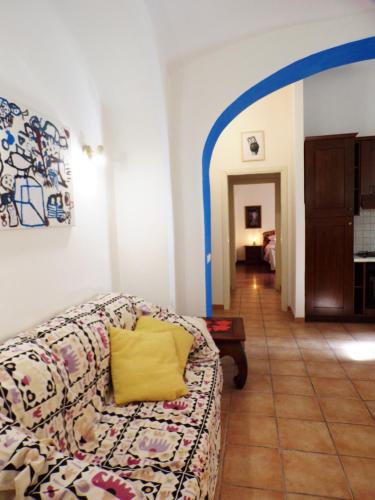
[{"x": 303, "y": 427}]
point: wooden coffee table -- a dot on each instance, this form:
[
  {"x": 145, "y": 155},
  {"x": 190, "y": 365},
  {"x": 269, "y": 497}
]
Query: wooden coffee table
[{"x": 229, "y": 335}]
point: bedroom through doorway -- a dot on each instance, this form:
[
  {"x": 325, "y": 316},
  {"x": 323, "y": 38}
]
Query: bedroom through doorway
[
  {"x": 254, "y": 206},
  {"x": 253, "y": 225}
]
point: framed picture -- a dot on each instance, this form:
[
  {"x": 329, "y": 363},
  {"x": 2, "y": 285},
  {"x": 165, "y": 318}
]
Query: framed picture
[
  {"x": 253, "y": 146},
  {"x": 253, "y": 217},
  {"x": 35, "y": 173}
]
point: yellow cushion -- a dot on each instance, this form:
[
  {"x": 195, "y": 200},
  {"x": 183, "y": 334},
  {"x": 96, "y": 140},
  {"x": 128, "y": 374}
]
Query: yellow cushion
[
  {"x": 182, "y": 338},
  {"x": 144, "y": 367}
]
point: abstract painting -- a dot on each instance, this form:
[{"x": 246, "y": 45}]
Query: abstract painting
[
  {"x": 35, "y": 176},
  {"x": 253, "y": 146}
]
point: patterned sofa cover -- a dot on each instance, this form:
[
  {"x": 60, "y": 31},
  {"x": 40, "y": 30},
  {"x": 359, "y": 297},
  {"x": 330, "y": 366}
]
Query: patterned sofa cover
[{"x": 62, "y": 436}]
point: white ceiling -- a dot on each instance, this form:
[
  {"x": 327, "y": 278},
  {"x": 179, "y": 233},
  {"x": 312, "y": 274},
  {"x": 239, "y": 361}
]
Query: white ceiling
[{"x": 185, "y": 27}]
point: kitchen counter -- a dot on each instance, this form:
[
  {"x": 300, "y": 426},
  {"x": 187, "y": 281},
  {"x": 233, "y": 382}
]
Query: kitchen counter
[{"x": 364, "y": 259}]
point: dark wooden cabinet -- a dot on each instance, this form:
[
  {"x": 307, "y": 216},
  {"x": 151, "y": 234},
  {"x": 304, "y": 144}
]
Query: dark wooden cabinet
[
  {"x": 366, "y": 147},
  {"x": 364, "y": 290},
  {"x": 253, "y": 254},
  {"x": 329, "y": 197},
  {"x": 329, "y": 176},
  {"x": 329, "y": 268}
]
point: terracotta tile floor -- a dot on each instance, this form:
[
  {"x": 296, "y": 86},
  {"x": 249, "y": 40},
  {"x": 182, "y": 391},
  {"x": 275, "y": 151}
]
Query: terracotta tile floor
[{"x": 303, "y": 428}]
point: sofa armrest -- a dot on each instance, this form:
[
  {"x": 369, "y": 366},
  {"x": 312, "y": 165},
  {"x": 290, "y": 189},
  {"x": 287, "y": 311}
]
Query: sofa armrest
[
  {"x": 204, "y": 347},
  {"x": 32, "y": 468}
]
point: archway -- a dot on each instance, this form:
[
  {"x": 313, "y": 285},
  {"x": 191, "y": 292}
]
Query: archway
[{"x": 341, "y": 55}]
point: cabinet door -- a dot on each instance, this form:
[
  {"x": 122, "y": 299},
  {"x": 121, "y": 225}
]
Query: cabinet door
[
  {"x": 329, "y": 176},
  {"x": 367, "y": 159},
  {"x": 329, "y": 267}
]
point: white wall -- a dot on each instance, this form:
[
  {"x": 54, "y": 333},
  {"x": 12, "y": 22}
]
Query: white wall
[
  {"x": 118, "y": 41},
  {"x": 45, "y": 270},
  {"x": 273, "y": 115},
  {"x": 252, "y": 194},
  {"x": 341, "y": 100},
  {"x": 94, "y": 66},
  {"x": 201, "y": 88},
  {"x": 296, "y": 212}
]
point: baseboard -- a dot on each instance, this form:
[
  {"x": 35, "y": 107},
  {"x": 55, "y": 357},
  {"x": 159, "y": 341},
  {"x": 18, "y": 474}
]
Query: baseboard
[
  {"x": 339, "y": 319},
  {"x": 297, "y": 320}
]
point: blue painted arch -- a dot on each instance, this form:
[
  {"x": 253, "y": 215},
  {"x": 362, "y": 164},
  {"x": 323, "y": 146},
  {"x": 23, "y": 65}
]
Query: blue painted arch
[{"x": 334, "y": 57}]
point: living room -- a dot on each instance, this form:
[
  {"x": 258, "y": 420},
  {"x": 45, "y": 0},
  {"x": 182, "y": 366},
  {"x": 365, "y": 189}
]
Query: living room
[{"x": 138, "y": 95}]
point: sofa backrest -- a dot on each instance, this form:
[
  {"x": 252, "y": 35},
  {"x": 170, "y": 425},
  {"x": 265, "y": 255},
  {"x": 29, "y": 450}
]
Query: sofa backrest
[
  {"x": 55, "y": 378},
  {"x": 69, "y": 353}
]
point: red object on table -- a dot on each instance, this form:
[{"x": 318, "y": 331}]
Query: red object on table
[
  {"x": 219, "y": 325},
  {"x": 229, "y": 335}
]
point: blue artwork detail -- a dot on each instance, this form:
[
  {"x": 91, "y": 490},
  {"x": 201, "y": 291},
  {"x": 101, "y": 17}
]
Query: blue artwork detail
[
  {"x": 31, "y": 204},
  {"x": 55, "y": 208},
  {"x": 360, "y": 50},
  {"x": 35, "y": 178},
  {"x": 8, "y": 140}
]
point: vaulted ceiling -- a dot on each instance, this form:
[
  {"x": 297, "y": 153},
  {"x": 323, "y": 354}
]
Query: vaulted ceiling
[{"x": 184, "y": 28}]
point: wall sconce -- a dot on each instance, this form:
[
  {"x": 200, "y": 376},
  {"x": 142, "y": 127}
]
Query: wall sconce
[
  {"x": 96, "y": 154},
  {"x": 90, "y": 152}
]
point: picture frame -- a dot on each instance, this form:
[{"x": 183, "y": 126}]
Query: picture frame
[
  {"x": 36, "y": 185},
  {"x": 253, "y": 217},
  {"x": 253, "y": 146}
]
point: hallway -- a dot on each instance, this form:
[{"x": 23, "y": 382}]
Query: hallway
[{"x": 303, "y": 427}]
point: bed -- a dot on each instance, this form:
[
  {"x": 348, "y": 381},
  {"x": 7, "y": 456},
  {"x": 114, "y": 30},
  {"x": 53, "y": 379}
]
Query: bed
[{"x": 269, "y": 248}]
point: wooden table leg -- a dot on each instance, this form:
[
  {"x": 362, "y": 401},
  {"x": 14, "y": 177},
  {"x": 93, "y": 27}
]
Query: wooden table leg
[
  {"x": 239, "y": 357},
  {"x": 236, "y": 351}
]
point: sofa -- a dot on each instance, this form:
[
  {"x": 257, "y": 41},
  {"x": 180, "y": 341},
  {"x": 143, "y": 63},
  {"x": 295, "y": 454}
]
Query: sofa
[{"x": 61, "y": 434}]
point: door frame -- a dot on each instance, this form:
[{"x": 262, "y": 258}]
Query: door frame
[
  {"x": 278, "y": 177},
  {"x": 341, "y": 55}
]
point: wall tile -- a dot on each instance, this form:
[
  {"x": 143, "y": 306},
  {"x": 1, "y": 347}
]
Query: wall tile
[{"x": 364, "y": 231}]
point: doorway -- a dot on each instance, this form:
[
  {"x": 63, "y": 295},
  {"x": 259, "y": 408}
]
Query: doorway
[
  {"x": 264, "y": 239},
  {"x": 279, "y": 180}
]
